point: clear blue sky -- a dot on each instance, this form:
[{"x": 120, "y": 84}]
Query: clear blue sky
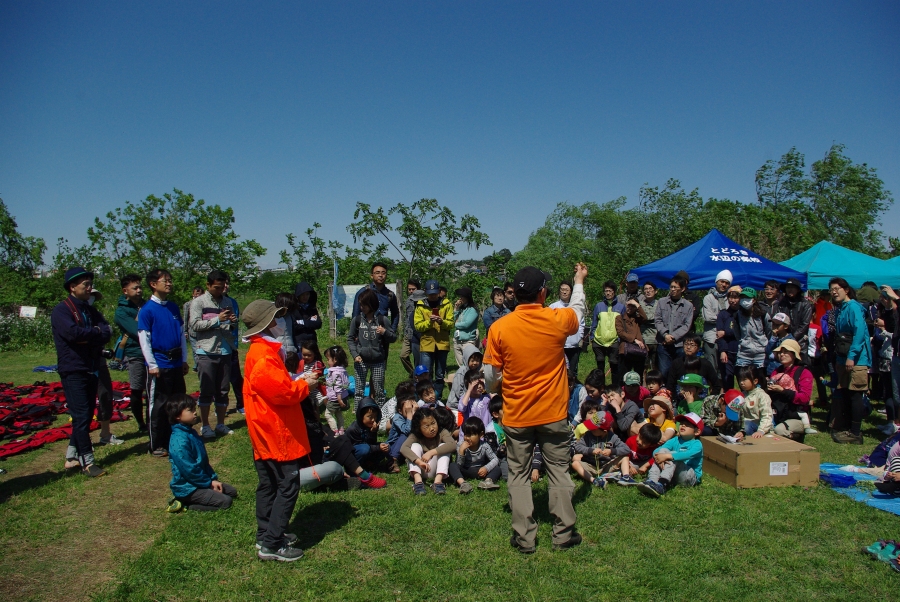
[{"x": 292, "y": 112}]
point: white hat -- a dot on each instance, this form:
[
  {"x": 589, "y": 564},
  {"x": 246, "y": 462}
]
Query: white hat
[{"x": 725, "y": 275}]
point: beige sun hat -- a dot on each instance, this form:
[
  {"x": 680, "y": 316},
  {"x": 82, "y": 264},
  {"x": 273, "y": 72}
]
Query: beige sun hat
[{"x": 259, "y": 314}]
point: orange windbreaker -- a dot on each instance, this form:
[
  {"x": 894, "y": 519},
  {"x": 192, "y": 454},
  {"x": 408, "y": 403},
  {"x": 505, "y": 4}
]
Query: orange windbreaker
[{"x": 272, "y": 404}]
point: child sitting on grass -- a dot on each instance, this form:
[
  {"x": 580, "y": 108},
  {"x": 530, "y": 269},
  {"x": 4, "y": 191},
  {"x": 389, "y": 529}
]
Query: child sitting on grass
[
  {"x": 658, "y": 410},
  {"x": 471, "y": 360},
  {"x": 656, "y": 384},
  {"x": 427, "y": 396},
  {"x": 690, "y": 398},
  {"x": 428, "y": 450},
  {"x": 475, "y": 401},
  {"x": 497, "y": 439},
  {"x": 754, "y": 407},
  {"x": 642, "y": 446},
  {"x": 447, "y": 420},
  {"x": 363, "y": 435},
  {"x": 598, "y": 447},
  {"x": 678, "y": 461},
  {"x": 626, "y": 413},
  {"x": 475, "y": 459},
  {"x": 401, "y": 426},
  {"x": 194, "y": 483}
]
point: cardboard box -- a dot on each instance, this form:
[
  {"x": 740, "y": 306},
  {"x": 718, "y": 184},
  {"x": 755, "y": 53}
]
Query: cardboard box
[{"x": 767, "y": 462}]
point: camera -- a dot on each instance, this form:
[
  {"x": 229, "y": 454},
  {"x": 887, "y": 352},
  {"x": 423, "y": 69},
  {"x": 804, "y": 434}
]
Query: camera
[{"x": 107, "y": 353}]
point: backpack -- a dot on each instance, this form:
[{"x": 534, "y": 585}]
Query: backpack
[{"x": 606, "y": 335}]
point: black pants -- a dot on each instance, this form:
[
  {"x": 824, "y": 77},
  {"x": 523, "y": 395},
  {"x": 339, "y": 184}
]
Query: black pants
[
  {"x": 104, "y": 394},
  {"x": 847, "y": 410},
  {"x": 81, "y": 399},
  {"x": 601, "y": 354},
  {"x": 207, "y": 500},
  {"x": 276, "y": 496},
  {"x": 458, "y": 472},
  {"x": 237, "y": 380},
  {"x": 628, "y": 363},
  {"x": 573, "y": 355},
  {"x": 160, "y": 388},
  {"x": 340, "y": 450}
]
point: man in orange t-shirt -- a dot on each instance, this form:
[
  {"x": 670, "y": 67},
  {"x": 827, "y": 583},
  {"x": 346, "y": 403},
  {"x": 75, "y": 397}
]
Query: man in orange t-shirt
[{"x": 525, "y": 359}]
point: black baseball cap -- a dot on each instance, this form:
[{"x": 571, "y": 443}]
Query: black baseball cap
[{"x": 530, "y": 280}]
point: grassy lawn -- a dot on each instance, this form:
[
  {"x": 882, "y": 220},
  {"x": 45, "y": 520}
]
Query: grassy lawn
[{"x": 110, "y": 539}]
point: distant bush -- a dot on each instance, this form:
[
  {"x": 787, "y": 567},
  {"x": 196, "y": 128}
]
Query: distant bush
[{"x": 25, "y": 333}]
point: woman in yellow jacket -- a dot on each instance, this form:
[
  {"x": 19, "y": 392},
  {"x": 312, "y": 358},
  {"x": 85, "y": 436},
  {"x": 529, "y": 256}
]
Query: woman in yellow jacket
[{"x": 434, "y": 320}]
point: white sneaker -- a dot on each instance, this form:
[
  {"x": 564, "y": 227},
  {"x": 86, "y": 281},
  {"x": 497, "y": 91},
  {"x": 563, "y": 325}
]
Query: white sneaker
[
  {"x": 207, "y": 433},
  {"x": 810, "y": 431},
  {"x": 223, "y": 430},
  {"x": 113, "y": 440}
]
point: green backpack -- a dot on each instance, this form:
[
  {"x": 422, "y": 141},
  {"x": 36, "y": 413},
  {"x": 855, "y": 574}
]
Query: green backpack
[{"x": 605, "y": 335}]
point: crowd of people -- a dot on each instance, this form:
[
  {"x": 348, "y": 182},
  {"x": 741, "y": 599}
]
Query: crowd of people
[{"x": 668, "y": 370}]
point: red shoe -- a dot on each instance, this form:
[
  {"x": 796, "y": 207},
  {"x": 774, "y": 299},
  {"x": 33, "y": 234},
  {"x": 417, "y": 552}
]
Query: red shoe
[{"x": 373, "y": 482}]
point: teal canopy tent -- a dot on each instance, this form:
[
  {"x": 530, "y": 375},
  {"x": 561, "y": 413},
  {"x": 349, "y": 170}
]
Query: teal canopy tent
[{"x": 825, "y": 260}]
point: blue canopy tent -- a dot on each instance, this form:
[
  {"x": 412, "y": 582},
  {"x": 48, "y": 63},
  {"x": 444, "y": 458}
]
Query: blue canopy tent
[
  {"x": 713, "y": 253},
  {"x": 825, "y": 260}
]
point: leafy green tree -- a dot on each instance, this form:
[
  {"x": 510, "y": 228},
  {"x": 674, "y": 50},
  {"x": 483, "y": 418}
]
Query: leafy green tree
[
  {"x": 20, "y": 256},
  {"x": 423, "y": 233}
]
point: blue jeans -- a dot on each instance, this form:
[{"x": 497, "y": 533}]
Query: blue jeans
[
  {"x": 437, "y": 360},
  {"x": 366, "y": 456},
  {"x": 666, "y": 354},
  {"x": 81, "y": 400}
]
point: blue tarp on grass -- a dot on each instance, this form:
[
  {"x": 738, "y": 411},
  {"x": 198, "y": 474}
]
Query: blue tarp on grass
[{"x": 870, "y": 497}]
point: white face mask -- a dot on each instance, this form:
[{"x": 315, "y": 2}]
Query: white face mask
[
  {"x": 277, "y": 331},
  {"x": 91, "y": 299},
  {"x": 746, "y": 303}
]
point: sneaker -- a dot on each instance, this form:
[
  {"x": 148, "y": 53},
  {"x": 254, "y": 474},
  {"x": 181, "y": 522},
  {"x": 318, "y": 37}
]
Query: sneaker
[
  {"x": 438, "y": 488},
  {"x": 573, "y": 541},
  {"x": 207, "y": 433},
  {"x": 223, "y": 430},
  {"x": 113, "y": 440},
  {"x": 488, "y": 484},
  {"x": 240, "y": 410},
  {"x": 810, "y": 431},
  {"x": 373, "y": 482},
  {"x": 290, "y": 538},
  {"x": 93, "y": 471},
  {"x": 159, "y": 453},
  {"x": 284, "y": 554},
  {"x": 599, "y": 482},
  {"x": 465, "y": 488},
  {"x": 626, "y": 480},
  {"x": 847, "y": 437},
  {"x": 175, "y": 506},
  {"x": 419, "y": 488},
  {"x": 651, "y": 489},
  {"x": 519, "y": 547}
]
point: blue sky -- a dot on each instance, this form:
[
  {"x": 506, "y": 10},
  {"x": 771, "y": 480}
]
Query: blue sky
[{"x": 292, "y": 112}]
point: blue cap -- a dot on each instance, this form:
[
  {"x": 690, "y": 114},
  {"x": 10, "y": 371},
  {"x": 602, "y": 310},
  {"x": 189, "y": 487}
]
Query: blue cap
[
  {"x": 631, "y": 277},
  {"x": 75, "y": 273},
  {"x": 420, "y": 370},
  {"x": 432, "y": 287}
]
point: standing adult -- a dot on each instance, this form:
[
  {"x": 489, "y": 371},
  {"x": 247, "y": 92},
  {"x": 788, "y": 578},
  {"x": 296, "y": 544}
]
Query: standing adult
[
  {"x": 753, "y": 330},
  {"x": 770, "y": 297},
  {"x": 79, "y": 333},
  {"x": 853, "y": 358},
  {"x": 692, "y": 296},
  {"x": 892, "y": 324},
  {"x": 727, "y": 337},
  {"x": 632, "y": 290},
  {"x": 277, "y": 431},
  {"x": 410, "y": 346},
  {"x": 387, "y": 302},
  {"x": 525, "y": 359},
  {"x": 604, "y": 339},
  {"x": 286, "y": 322},
  {"x": 497, "y": 310},
  {"x": 130, "y": 302},
  {"x": 648, "y": 328},
  {"x": 800, "y": 313},
  {"x": 715, "y": 301},
  {"x": 573, "y": 343},
  {"x": 465, "y": 316},
  {"x": 674, "y": 317},
  {"x": 161, "y": 333},
  {"x": 235, "y": 377},
  {"x": 104, "y": 393},
  {"x": 434, "y": 321},
  {"x": 186, "y": 319},
  {"x": 306, "y": 318},
  {"x": 509, "y": 296},
  {"x": 212, "y": 323}
]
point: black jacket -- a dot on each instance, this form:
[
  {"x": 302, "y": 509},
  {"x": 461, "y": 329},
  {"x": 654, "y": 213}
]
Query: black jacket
[
  {"x": 304, "y": 326},
  {"x": 79, "y": 332},
  {"x": 356, "y": 433},
  {"x": 800, "y": 311}
]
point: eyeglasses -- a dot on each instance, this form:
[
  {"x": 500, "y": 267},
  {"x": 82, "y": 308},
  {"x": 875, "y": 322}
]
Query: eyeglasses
[{"x": 163, "y": 281}]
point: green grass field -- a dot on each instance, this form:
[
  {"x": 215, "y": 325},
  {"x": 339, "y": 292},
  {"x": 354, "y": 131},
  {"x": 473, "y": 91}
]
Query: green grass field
[{"x": 110, "y": 538}]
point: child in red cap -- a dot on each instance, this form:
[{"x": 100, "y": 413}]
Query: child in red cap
[
  {"x": 597, "y": 447},
  {"x": 678, "y": 461}
]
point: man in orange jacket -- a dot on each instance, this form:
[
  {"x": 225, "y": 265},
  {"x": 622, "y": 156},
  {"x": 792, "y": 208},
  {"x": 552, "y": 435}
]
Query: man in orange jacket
[{"x": 277, "y": 430}]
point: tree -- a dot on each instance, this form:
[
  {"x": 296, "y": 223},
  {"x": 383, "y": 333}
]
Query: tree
[
  {"x": 426, "y": 234},
  {"x": 177, "y": 232},
  {"x": 23, "y": 254}
]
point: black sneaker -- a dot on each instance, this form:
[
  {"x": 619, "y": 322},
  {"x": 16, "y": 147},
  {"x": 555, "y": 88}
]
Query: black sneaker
[
  {"x": 651, "y": 489},
  {"x": 290, "y": 538},
  {"x": 93, "y": 471},
  {"x": 159, "y": 453},
  {"x": 573, "y": 541},
  {"x": 519, "y": 547},
  {"x": 284, "y": 554}
]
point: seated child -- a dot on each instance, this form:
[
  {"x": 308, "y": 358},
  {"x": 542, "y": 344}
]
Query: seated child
[
  {"x": 407, "y": 388},
  {"x": 194, "y": 483},
  {"x": 690, "y": 398},
  {"x": 577, "y": 395},
  {"x": 497, "y": 439},
  {"x": 475, "y": 401},
  {"x": 337, "y": 388},
  {"x": 658, "y": 410},
  {"x": 718, "y": 418},
  {"x": 626, "y": 413},
  {"x": 475, "y": 459},
  {"x": 656, "y": 384},
  {"x": 401, "y": 423},
  {"x": 471, "y": 360},
  {"x": 363, "y": 435},
  {"x": 594, "y": 383},
  {"x": 598, "y": 447},
  {"x": 427, "y": 395},
  {"x": 428, "y": 450},
  {"x": 447, "y": 420},
  {"x": 754, "y": 407},
  {"x": 890, "y": 482},
  {"x": 678, "y": 461},
  {"x": 632, "y": 389},
  {"x": 640, "y": 460}
]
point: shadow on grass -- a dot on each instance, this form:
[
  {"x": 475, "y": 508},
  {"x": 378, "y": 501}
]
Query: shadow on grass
[
  {"x": 17, "y": 485},
  {"x": 314, "y": 522}
]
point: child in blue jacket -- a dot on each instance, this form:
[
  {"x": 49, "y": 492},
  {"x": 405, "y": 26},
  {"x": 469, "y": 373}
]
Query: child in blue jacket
[{"x": 194, "y": 483}]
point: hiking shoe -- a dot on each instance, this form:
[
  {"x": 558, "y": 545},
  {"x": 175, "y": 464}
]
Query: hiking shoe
[
  {"x": 113, "y": 440},
  {"x": 289, "y": 538},
  {"x": 519, "y": 547},
  {"x": 488, "y": 484},
  {"x": 847, "y": 437},
  {"x": 283, "y": 554},
  {"x": 93, "y": 471},
  {"x": 438, "y": 488},
  {"x": 573, "y": 541},
  {"x": 465, "y": 488},
  {"x": 373, "y": 482},
  {"x": 626, "y": 480},
  {"x": 652, "y": 489},
  {"x": 174, "y": 506},
  {"x": 159, "y": 453},
  {"x": 419, "y": 488},
  {"x": 599, "y": 482},
  {"x": 223, "y": 430},
  {"x": 207, "y": 433}
]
